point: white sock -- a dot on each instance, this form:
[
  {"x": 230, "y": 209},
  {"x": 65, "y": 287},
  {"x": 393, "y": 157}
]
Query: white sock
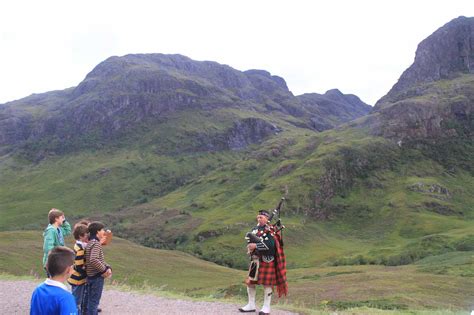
[
  {"x": 251, "y": 294},
  {"x": 267, "y": 299}
]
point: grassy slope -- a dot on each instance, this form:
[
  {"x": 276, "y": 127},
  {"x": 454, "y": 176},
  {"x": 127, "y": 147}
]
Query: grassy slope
[
  {"x": 395, "y": 215},
  {"x": 91, "y": 183},
  {"x": 380, "y": 287},
  {"x": 129, "y": 173},
  {"x": 21, "y": 253},
  {"x": 381, "y": 216},
  {"x": 364, "y": 288}
]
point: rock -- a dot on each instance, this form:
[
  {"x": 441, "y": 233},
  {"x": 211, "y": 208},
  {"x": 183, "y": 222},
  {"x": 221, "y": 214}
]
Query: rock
[
  {"x": 422, "y": 107},
  {"x": 434, "y": 190},
  {"x": 443, "y": 55},
  {"x": 441, "y": 209},
  {"x": 243, "y": 133},
  {"x": 333, "y": 103},
  {"x": 284, "y": 169}
]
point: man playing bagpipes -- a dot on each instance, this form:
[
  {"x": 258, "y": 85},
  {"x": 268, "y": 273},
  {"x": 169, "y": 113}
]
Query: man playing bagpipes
[{"x": 267, "y": 262}]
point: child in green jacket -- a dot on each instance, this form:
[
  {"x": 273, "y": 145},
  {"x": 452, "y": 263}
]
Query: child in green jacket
[{"x": 54, "y": 234}]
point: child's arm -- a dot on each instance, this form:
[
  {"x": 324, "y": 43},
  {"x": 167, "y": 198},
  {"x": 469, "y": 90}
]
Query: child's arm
[
  {"x": 48, "y": 242},
  {"x": 65, "y": 228}
]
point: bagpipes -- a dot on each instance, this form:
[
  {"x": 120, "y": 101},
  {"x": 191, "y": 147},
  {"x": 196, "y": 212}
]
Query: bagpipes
[{"x": 277, "y": 227}]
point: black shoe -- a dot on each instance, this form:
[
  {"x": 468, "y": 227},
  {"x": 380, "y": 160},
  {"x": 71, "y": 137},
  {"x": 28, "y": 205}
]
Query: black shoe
[
  {"x": 99, "y": 310},
  {"x": 262, "y": 313},
  {"x": 244, "y": 311}
]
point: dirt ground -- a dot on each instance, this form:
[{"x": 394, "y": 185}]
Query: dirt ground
[{"x": 15, "y": 299}]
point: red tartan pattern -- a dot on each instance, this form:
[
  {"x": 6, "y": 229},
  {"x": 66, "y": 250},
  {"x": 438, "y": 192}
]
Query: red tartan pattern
[
  {"x": 266, "y": 274},
  {"x": 274, "y": 273},
  {"x": 280, "y": 261}
]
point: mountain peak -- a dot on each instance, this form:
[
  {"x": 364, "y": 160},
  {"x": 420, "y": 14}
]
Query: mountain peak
[
  {"x": 333, "y": 92},
  {"x": 445, "y": 54}
]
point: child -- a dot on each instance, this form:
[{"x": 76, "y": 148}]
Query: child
[
  {"x": 96, "y": 267},
  {"x": 78, "y": 278},
  {"x": 52, "y": 296},
  {"x": 54, "y": 234},
  {"x": 108, "y": 235}
]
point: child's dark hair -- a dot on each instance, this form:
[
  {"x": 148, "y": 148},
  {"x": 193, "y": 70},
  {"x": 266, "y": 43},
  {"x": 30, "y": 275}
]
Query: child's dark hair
[
  {"x": 95, "y": 227},
  {"x": 59, "y": 259},
  {"x": 79, "y": 231}
]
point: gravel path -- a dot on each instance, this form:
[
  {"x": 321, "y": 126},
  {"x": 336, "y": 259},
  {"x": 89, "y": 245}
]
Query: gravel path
[{"x": 15, "y": 299}]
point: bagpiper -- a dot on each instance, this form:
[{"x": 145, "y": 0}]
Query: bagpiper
[{"x": 267, "y": 263}]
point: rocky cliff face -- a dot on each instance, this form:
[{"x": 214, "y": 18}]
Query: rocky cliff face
[
  {"x": 24, "y": 118},
  {"x": 445, "y": 54},
  {"x": 434, "y": 98},
  {"x": 242, "y": 133},
  {"x": 12, "y": 126},
  {"x": 332, "y": 106},
  {"x": 123, "y": 93}
]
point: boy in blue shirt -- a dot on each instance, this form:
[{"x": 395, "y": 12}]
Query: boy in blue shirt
[{"x": 52, "y": 297}]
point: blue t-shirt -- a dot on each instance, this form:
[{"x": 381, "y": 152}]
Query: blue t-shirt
[{"x": 52, "y": 299}]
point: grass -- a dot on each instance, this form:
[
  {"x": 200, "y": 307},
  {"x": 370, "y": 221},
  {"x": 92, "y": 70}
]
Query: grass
[
  {"x": 314, "y": 290},
  {"x": 134, "y": 265},
  {"x": 171, "y": 202},
  {"x": 387, "y": 287}
]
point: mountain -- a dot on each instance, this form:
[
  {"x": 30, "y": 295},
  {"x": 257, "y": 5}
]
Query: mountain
[
  {"x": 123, "y": 94},
  {"x": 446, "y": 54},
  {"x": 434, "y": 97},
  {"x": 332, "y": 107},
  {"x": 431, "y": 107}
]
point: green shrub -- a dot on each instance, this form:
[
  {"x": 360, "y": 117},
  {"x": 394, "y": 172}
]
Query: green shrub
[{"x": 464, "y": 244}]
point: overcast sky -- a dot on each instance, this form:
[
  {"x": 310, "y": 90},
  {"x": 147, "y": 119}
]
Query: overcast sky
[{"x": 360, "y": 47}]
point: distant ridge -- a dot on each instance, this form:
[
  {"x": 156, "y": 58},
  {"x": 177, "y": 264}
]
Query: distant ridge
[{"x": 133, "y": 91}]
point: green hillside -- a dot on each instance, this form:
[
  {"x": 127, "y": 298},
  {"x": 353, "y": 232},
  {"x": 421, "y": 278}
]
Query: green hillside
[
  {"x": 366, "y": 289},
  {"x": 134, "y": 265},
  {"x": 351, "y": 197}
]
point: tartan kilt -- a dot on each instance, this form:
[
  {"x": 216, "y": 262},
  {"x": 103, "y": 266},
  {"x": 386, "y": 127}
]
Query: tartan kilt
[{"x": 266, "y": 274}]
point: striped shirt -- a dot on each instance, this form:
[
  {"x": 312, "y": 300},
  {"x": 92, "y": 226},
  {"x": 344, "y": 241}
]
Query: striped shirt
[
  {"x": 79, "y": 276},
  {"x": 95, "y": 265}
]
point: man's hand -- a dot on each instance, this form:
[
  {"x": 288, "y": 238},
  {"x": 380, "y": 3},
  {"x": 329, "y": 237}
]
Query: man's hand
[
  {"x": 251, "y": 247},
  {"x": 107, "y": 274}
]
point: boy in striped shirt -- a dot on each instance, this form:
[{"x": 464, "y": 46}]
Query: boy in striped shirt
[
  {"x": 79, "y": 276},
  {"x": 96, "y": 267}
]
